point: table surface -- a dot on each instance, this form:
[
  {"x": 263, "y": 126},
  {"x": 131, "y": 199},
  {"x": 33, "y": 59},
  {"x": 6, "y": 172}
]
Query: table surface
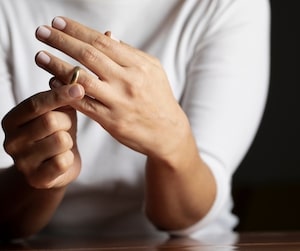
[{"x": 286, "y": 241}]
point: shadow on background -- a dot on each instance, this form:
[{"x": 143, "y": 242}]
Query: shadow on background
[{"x": 266, "y": 187}]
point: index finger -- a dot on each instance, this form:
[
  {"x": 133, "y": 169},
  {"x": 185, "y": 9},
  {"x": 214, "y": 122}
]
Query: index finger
[{"x": 41, "y": 103}]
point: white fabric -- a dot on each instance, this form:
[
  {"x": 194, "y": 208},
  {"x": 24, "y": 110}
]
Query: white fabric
[{"x": 216, "y": 55}]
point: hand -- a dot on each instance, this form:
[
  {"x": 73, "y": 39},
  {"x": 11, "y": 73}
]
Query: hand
[
  {"x": 40, "y": 135},
  {"x": 128, "y": 93}
]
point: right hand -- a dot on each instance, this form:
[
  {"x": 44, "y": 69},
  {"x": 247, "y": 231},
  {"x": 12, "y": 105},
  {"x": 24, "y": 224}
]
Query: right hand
[{"x": 40, "y": 136}]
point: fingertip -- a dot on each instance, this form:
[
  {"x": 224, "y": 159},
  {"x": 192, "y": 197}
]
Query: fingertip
[{"x": 76, "y": 91}]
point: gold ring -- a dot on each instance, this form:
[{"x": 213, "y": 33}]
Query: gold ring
[{"x": 75, "y": 75}]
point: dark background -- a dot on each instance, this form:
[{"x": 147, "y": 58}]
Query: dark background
[{"x": 266, "y": 187}]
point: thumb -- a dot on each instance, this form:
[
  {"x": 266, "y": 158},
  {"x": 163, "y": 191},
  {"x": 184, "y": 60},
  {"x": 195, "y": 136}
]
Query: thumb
[
  {"x": 73, "y": 91},
  {"x": 43, "y": 102}
]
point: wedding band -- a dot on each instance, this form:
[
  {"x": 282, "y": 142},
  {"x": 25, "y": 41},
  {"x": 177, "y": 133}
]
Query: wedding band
[{"x": 75, "y": 75}]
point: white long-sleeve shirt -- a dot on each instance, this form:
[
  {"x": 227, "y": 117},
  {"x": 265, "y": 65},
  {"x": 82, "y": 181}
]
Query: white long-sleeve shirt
[{"x": 216, "y": 56}]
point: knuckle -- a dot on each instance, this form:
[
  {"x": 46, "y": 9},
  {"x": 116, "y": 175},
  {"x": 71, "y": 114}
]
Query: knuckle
[
  {"x": 89, "y": 54},
  {"x": 135, "y": 87},
  {"x": 23, "y": 166},
  {"x": 20, "y": 165},
  {"x": 62, "y": 162},
  {"x": 147, "y": 68},
  {"x": 10, "y": 146},
  {"x": 5, "y": 123},
  {"x": 89, "y": 107},
  {"x": 34, "y": 105},
  {"x": 58, "y": 39},
  {"x": 49, "y": 121},
  {"x": 38, "y": 103},
  {"x": 63, "y": 139},
  {"x": 143, "y": 68},
  {"x": 101, "y": 42},
  {"x": 119, "y": 128},
  {"x": 37, "y": 183},
  {"x": 88, "y": 82},
  {"x": 133, "y": 90}
]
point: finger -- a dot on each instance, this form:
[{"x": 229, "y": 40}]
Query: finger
[
  {"x": 91, "y": 107},
  {"x": 63, "y": 71},
  {"x": 52, "y": 171},
  {"x": 86, "y": 54},
  {"x": 37, "y": 129},
  {"x": 59, "y": 68},
  {"x": 34, "y": 153},
  {"x": 118, "y": 51},
  {"x": 51, "y": 146},
  {"x": 46, "y": 125},
  {"x": 41, "y": 103}
]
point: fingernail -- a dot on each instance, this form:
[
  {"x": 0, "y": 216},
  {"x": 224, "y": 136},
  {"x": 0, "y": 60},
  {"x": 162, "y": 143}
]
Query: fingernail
[
  {"x": 43, "y": 58},
  {"x": 59, "y": 23},
  {"x": 75, "y": 91},
  {"x": 43, "y": 32}
]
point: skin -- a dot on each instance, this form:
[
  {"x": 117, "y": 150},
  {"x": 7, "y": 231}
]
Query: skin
[
  {"x": 129, "y": 95},
  {"x": 40, "y": 135}
]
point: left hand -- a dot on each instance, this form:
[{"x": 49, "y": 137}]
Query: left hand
[{"x": 128, "y": 93}]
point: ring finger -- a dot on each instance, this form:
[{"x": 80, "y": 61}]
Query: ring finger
[{"x": 63, "y": 71}]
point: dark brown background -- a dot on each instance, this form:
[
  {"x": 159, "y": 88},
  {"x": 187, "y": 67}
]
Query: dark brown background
[{"x": 266, "y": 187}]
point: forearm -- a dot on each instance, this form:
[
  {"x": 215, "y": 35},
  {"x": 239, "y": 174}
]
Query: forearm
[
  {"x": 25, "y": 210},
  {"x": 179, "y": 191}
]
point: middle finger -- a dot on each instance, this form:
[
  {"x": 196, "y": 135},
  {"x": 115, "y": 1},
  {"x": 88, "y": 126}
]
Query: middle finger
[
  {"x": 46, "y": 125},
  {"x": 119, "y": 52},
  {"x": 86, "y": 54}
]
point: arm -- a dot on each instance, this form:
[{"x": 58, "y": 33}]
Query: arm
[
  {"x": 130, "y": 90},
  {"x": 133, "y": 101},
  {"x": 40, "y": 135},
  {"x": 180, "y": 188},
  {"x": 25, "y": 209}
]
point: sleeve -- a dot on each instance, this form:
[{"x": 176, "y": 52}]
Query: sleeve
[
  {"x": 7, "y": 100},
  {"x": 226, "y": 92}
]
